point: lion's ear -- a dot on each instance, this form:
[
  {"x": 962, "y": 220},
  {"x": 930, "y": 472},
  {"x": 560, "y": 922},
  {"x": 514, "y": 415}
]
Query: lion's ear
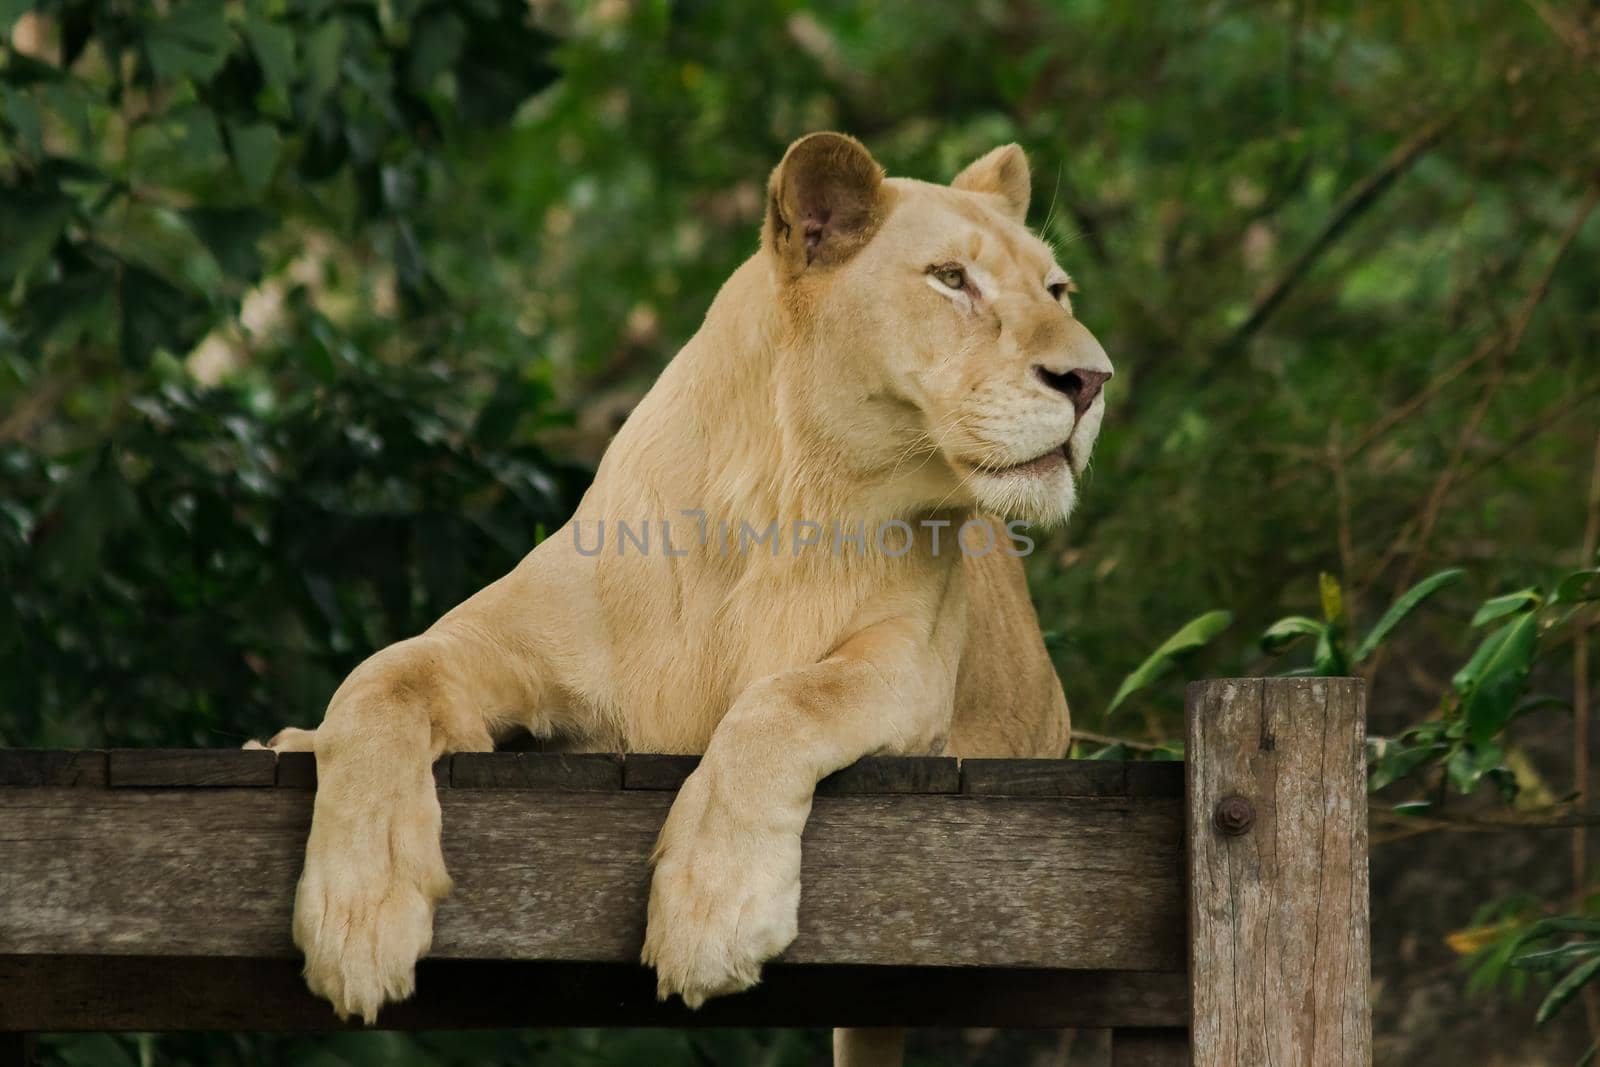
[
  {"x": 824, "y": 202},
  {"x": 1002, "y": 172}
]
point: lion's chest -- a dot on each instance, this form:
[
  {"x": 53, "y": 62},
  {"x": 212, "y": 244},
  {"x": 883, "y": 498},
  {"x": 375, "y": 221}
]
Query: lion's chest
[{"x": 686, "y": 650}]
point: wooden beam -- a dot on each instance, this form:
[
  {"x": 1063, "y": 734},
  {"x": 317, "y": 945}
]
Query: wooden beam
[
  {"x": 1071, "y": 778},
  {"x": 1277, "y": 846},
  {"x": 143, "y": 993},
  {"x": 889, "y": 879},
  {"x": 574, "y": 772},
  {"x": 875, "y": 774},
  {"x": 192, "y": 767}
]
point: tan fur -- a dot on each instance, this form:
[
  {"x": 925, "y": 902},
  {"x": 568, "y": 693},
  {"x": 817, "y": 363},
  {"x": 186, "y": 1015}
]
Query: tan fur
[{"x": 835, "y": 379}]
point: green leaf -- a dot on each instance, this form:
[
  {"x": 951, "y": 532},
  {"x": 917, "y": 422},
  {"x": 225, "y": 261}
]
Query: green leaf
[
  {"x": 29, "y": 226},
  {"x": 435, "y": 47},
  {"x": 231, "y": 235},
  {"x": 1192, "y": 635},
  {"x": 155, "y": 315},
  {"x": 1328, "y": 660},
  {"x": 94, "y": 1050},
  {"x": 322, "y": 54},
  {"x": 1286, "y": 631},
  {"x": 1413, "y": 807},
  {"x": 1396, "y": 761},
  {"x": 1508, "y": 604},
  {"x": 69, "y": 103},
  {"x": 255, "y": 147},
  {"x": 1404, "y": 605},
  {"x": 273, "y": 46},
  {"x": 63, "y": 312},
  {"x": 183, "y": 148},
  {"x": 1566, "y": 989},
  {"x": 1468, "y": 764},
  {"x": 26, "y": 118},
  {"x": 1560, "y": 924},
  {"x": 1578, "y": 587},
  {"x": 1496, "y": 675},
  {"x": 1554, "y": 959},
  {"x": 1332, "y": 595},
  {"x": 193, "y": 42}
]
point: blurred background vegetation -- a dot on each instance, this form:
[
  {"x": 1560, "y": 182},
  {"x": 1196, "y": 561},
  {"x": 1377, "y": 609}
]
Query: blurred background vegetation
[{"x": 315, "y": 313}]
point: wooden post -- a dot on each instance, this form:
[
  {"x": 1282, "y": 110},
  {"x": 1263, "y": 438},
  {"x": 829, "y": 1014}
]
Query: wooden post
[{"x": 1277, "y": 843}]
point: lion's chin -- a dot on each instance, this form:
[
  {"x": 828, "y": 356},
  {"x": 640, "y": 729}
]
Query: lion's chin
[{"x": 1041, "y": 498}]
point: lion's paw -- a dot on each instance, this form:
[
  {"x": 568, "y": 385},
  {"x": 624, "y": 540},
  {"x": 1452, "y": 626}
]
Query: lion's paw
[
  {"x": 363, "y": 911},
  {"x": 288, "y": 739},
  {"x": 725, "y": 899}
]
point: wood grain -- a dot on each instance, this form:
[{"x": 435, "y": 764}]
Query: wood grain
[
  {"x": 873, "y": 774},
  {"x": 1279, "y": 913},
  {"x": 154, "y": 767},
  {"x": 648, "y": 770},
  {"x": 574, "y": 772},
  {"x": 23, "y": 767},
  {"x": 1071, "y": 778},
  {"x": 888, "y": 879},
  {"x": 894, "y": 774}
]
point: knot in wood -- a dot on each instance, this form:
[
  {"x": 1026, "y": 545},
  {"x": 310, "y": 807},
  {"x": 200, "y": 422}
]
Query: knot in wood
[{"x": 1235, "y": 815}]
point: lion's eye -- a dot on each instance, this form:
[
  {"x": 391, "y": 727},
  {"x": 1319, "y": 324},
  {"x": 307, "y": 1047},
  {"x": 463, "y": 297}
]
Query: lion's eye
[
  {"x": 950, "y": 277},
  {"x": 1058, "y": 285}
]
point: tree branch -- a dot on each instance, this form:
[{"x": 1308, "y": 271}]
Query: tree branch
[{"x": 1357, "y": 201}]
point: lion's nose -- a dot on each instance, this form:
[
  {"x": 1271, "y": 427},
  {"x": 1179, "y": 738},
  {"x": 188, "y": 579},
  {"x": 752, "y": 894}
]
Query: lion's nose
[{"x": 1080, "y": 386}]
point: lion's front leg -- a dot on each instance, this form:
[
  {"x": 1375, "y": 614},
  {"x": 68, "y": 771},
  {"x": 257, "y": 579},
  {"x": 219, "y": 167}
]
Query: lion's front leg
[
  {"x": 374, "y": 866},
  {"x": 374, "y": 869},
  {"x": 726, "y": 892}
]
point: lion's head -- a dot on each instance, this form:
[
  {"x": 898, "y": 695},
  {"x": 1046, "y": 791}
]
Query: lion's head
[{"x": 941, "y": 325}]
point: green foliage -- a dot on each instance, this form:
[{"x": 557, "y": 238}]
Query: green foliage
[
  {"x": 194, "y": 554},
  {"x": 228, "y": 553},
  {"x": 1404, "y": 605},
  {"x": 1465, "y": 744},
  {"x": 1328, "y": 634},
  {"x": 145, "y": 168},
  {"x": 1194, "y": 634}
]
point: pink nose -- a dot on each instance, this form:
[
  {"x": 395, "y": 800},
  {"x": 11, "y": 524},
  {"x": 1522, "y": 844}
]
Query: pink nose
[{"x": 1080, "y": 386}]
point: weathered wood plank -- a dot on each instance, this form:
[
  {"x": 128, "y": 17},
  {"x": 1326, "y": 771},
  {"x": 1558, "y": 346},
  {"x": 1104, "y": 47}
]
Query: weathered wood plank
[
  {"x": 65, "y": 993},
  {"x": 298, "y": 770},
  {"x": 894, "y": 774},
  {"x": 1277, "y": 844},
  {"x": 890, "y": 880},
  {"x": 576, "y": 772},
  {"x": 162, "y": 767},
  {"x": 24, "y": 767},
  {"x": 874, "y": 774},
  {"x": 649, "y": 770},
  {"x": 1071, "y": 778},
  {"x": 1150, "y": 1047}
]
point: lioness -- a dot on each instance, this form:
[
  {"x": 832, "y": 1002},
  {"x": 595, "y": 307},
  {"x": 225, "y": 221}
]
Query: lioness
[{"x": 897, "y": 356}]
